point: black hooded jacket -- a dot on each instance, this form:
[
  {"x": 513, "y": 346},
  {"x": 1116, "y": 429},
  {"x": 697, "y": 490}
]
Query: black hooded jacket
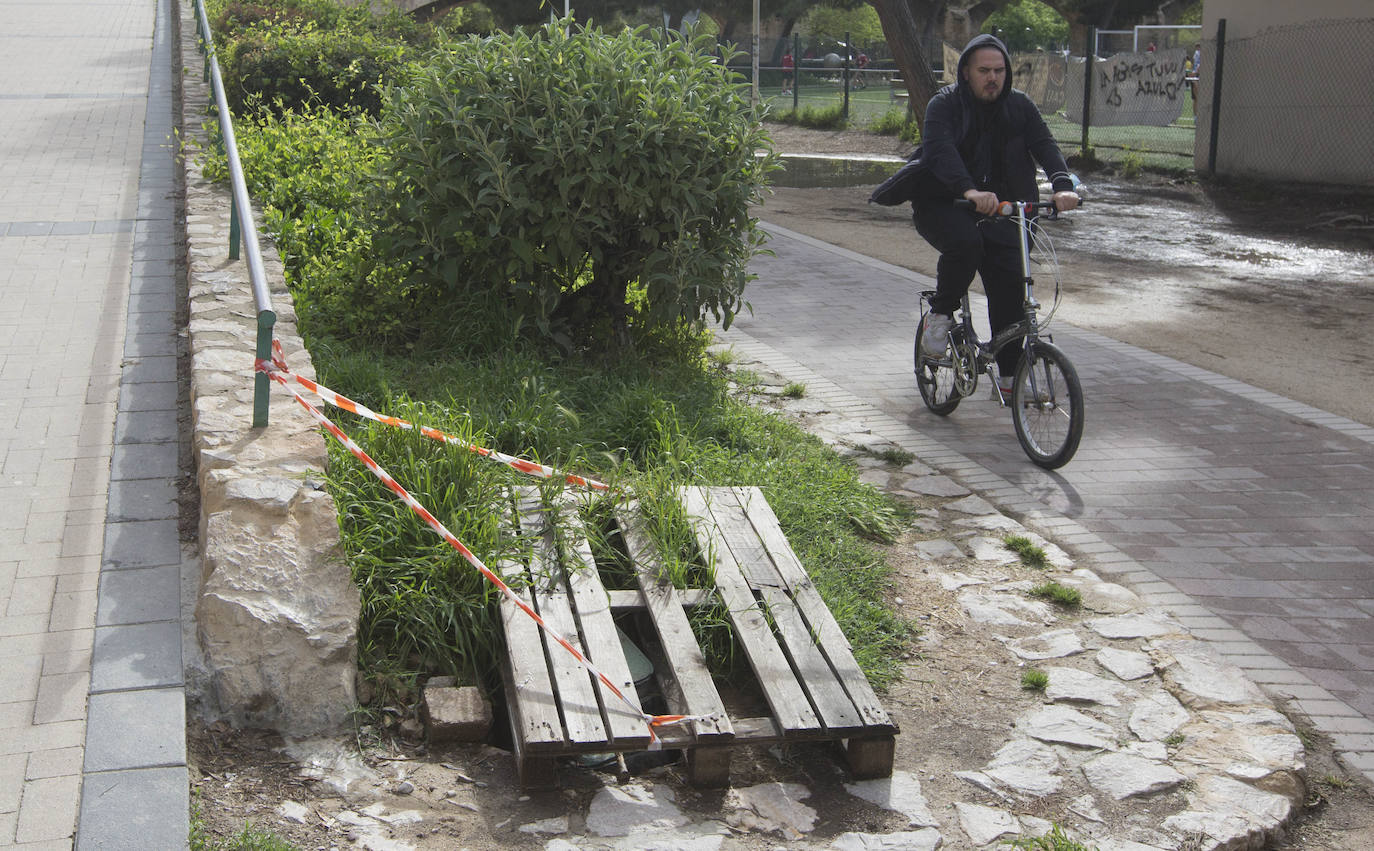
[{"x": 967, "y": 144}]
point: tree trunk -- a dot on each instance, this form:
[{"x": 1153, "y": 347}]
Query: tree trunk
[{"x": 904, "y": 40}]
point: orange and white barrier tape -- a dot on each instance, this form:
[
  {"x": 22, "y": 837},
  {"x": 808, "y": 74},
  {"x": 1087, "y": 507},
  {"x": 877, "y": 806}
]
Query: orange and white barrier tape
[
  {"x": 276, "y": 370},
  {"x": 347, "y": 404}
]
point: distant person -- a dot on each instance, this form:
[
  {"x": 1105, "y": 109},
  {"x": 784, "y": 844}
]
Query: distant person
[
  {"x": 788, "y": 70},
  {"x": 1196, "y": 72},
  {"x": 982, "y": 142},
  {"x": 861, "y": 63},
  {"x": 1151, "y": 48}
]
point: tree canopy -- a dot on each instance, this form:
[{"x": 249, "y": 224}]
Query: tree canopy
[{"x": 1028, "y": 25}]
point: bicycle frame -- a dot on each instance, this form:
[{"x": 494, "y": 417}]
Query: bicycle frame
[{"x": 1026, "y": 330}]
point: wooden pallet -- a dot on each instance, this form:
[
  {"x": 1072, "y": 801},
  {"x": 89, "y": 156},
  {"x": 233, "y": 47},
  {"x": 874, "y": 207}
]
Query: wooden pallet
[{"x": 804, "y": 667}]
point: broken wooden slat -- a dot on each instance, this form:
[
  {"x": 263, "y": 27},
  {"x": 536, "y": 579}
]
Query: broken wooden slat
[
  {"x": 785, "y": 696},
  {"x": 814, "y": 671},
  {"x": 664, "y": 604},
  {"x": 827, "y": 632},
  {"x": 599, "y": 633},
  {"x": 623, "y": 600},
  {"x": 576, "y": 697},
  {"x": 535, "y": 721}
]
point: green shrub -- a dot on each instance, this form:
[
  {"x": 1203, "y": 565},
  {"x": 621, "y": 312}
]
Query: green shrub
[
  {"x": 896, "y": 122},
  {"x": 295, "y": 65},
  {"x": 306, "y": 171},
  {"x": 1132, "y": 163},
  {"x": 813, "y": 117},
  {"x": 586, "y": 182},
  {"x": 289, "y": 53}
]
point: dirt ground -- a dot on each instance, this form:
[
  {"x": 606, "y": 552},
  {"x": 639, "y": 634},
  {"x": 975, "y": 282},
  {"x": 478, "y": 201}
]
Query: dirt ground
[{"x": 955, "y": 703}]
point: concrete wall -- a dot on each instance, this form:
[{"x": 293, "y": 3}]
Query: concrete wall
[{"x": 1295, "y": 100}]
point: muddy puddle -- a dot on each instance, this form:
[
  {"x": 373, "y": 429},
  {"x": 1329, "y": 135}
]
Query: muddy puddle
[{"x": 1173, "y": 229}]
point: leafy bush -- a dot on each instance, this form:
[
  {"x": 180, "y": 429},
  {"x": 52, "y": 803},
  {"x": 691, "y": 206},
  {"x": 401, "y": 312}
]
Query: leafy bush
[
  {"x": 289, "y": 53},
  {"x": 588, "y": 184},
  {"x": 813, "y": 117},
  {"x": 899, "y": 123},
  {"x": 306, "y": 170}
]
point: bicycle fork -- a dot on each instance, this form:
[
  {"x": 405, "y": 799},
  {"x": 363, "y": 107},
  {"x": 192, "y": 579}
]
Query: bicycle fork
[{"x": 1030, "y": 306}]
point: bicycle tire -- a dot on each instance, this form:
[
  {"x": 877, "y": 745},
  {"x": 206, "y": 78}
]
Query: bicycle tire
[
  {"x": 1049, "y": 427},
  {"x": 933, "y": 379}
]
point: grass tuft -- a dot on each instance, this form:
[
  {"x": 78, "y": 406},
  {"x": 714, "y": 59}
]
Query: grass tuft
[
  {"x": 1055, "y": 840},
  {"x": 1061, "y": 595},
  {"x": 1034, "y": 679},
  {"x": 1030, "y": 554}
]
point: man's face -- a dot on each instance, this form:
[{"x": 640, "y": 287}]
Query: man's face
[{"x": 986, "y": 73}]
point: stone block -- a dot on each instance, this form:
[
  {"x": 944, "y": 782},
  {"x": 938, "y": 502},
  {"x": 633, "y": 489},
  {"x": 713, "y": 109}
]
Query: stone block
[{"x": 455, "y": 714}]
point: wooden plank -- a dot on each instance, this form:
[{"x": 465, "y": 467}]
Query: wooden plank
[
  {"x": 822, "y": 625},
  {"x": 836, "y": 711},
  {"x": 697, "y": 694},
  {"x": 533, "y": 772},
  {"x": 535, "y": 722},
  {"x": 629, "y": 600},
  {"x": 784, "y": 694},
  {"x": 599, "y": 634},
  {"x": 576, "y": 697}
]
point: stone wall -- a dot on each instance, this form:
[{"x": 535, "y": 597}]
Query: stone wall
[{"x": 277, "y": 613}]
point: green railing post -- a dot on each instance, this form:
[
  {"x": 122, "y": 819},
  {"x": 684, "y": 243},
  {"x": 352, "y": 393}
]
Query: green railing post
[
  {"x": 242, "y": 230},
  {"x": 262, "y": 385},
  {"x": 234, "y": 229}
]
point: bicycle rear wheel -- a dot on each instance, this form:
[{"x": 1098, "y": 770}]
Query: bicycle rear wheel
[
  {"x": 935, "y": 377},
  {"x": 1048, "y": 418}
]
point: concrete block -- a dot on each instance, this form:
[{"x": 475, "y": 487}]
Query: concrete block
[{"x": 455, "y": 714}]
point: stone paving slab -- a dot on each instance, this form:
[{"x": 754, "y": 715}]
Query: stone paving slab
[
  {"x": 1271, "y": 497},
  {"x": 87, "y": 217}
]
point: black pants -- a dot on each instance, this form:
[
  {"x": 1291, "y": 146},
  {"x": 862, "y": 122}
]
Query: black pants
[{"x": 968, "y": 245}]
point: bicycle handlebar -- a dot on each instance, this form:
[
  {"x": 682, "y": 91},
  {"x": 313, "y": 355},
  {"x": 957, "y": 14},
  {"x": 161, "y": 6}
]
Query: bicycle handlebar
[{"x": 1005, "y": 208}]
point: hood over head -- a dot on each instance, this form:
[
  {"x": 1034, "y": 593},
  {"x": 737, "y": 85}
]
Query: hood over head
[{"x": 984, "y": 40}]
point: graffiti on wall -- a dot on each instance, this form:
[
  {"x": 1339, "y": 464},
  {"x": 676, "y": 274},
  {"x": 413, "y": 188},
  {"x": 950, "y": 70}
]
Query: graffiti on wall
[
  {"x": 1132, "y": 89},
  {"x": 1041, "y": 77}
]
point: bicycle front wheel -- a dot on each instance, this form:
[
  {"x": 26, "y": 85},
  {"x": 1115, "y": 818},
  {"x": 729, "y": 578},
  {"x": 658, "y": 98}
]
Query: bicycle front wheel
[
  {"x": 935, "y": 377},
  {"x": 1047, "y": 406}
]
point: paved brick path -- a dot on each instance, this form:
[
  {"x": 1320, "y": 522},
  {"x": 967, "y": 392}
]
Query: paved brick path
[
  {"x": 92, "y": 730},
  {"x": 1257, "y": 508}
]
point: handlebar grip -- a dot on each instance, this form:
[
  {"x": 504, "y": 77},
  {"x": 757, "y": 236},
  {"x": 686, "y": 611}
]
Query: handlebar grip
[{"x": 966, "y": 204}]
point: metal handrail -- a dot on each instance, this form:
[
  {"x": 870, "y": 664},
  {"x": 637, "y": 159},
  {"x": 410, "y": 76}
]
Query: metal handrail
[{"x": 241, "y": 221}]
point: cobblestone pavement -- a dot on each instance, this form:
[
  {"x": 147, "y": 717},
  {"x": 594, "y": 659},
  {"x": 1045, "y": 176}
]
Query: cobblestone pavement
[
  {"x": 1246, "y": 511},
  {"x": 92, "y": 730}
]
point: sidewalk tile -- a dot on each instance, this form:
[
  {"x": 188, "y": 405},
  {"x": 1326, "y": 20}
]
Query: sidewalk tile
[
  {"x": 136, "y": 729},
  {"x": 144, "y": 808},
  {"x": 48, "y": 810}
]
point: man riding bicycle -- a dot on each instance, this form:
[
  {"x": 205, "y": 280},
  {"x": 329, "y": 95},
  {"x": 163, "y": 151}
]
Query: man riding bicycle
[{"x": 982, "y": 140}]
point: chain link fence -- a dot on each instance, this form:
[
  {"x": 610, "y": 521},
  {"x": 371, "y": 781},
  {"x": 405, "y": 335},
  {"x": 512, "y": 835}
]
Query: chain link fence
[
  {"x": 1141, "y": 107},
  {"x": 829, "y": 73},
  {"x": 1295, "y": 104}
]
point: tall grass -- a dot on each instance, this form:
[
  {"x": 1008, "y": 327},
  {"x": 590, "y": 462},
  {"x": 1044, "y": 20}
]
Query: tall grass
[{"x": 648, "y": 424}]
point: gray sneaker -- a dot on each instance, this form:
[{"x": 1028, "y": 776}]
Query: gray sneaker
[{"x": 935, "y": 338}]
